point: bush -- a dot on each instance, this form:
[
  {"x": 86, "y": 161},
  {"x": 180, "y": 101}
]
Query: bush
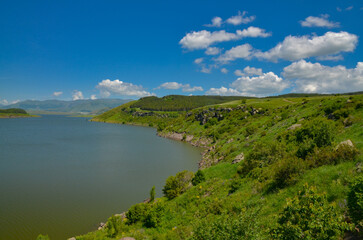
[
  {"x": 235, "y": 185},
  {"x": 286, "y": 172},
  {"x": 136, "y": 213},
  {"x": 198, "y": 178},
  {"x": 178, "y": 184},
  {"x": 309, "y": 216},
  {"x": 355, "y": 201},
  {"x": 153, "y": 217},
  {"x": 261, "y": 156},
  {"x": 42, "y": 237},
  {"x": 320, "y": 131},
  {"x": 113, "y": 226},
  {"x": 243, "y": 226},
  {"x": 152, "y": 194}
]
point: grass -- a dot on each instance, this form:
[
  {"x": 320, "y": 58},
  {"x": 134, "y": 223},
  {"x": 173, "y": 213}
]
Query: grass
[{"x": 228, "y": 198}]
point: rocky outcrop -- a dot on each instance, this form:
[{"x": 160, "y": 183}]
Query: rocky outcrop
[
  {"x": 238, "y": 158},
  {"x": 294, "y": 126},
  {"x": 346, "y": 142}
]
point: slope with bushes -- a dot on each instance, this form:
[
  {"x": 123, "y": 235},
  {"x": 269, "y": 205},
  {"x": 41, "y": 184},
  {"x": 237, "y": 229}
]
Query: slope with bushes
[{"x": 273, "y": 168}]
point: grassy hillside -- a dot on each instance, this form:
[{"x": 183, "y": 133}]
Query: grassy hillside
[{"x": 273, "y": 168}]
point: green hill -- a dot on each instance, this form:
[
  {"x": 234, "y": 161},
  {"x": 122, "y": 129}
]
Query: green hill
[
  {"x": 13, "y": 113},
  {"x": 272, "y": 168}
]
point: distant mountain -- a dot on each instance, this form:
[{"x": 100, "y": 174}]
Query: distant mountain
[{"x": 68, "y": 107}]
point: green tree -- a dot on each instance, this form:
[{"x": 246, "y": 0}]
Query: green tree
[
  {"x": 152, "y": 194},
  {"x": 198, "y": 178},
  {"x": 178, "y": 184}
]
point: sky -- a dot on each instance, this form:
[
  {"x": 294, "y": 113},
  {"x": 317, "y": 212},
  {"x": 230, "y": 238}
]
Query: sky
[{"x": 130, "y": 49}]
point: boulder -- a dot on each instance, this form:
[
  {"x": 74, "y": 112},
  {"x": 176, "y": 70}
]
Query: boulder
[
  {"x": 294, "y": 126},
  {"x": 238, "y": 158},
  {"x": 346, "y": 142},
  {"x": 127, "y": 238}
]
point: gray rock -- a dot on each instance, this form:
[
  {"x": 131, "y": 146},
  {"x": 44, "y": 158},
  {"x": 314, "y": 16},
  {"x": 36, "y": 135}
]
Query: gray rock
[
  {"x": 127, "y": 238},
  {"x": 346, "y": 142},
  {"x": 238, "y": 158},
  {"x": 294, "y": 126}
]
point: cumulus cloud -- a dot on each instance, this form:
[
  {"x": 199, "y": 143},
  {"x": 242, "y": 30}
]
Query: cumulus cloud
[
  {"x": 212, "y": 51},
  {"x": 93, "y": 97},
  {"x": 176, "y": 85},
  {"x": 314, "y": 77},
  {"x": 242, "y": 51},
  {"x": 253, "y": 32},
  {"x": 216, "y": 22},
  {"x": 321, "y": 21},
  {"x": 4, "y": 102},
  {"x": 198, "y": 60},
  {"x": 330, "y": 58},
  {"x": 203, "y": 39},
  {"x": 266, "y": 84},
  {"x": 295, "y": 48},
  {"x": 223, "y": 91},
  {"x": 57, "y": 94},
  {"x": 77, "y": 95},
  {"x": 108, "y": 87},
  {"x": 240, "y": 18},
  {"x": 224, "y": 70},
  {"x": 249, "y": 71}
]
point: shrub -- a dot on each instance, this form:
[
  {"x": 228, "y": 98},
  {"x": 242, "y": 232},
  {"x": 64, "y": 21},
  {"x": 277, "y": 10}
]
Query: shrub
[
  {"x": 250, "y": 130},
  {"x": 286, "y": 172},
  {"x": 152, "y": 194},
  {"x": 243, "y": 226},
  {"x": 262, "y": 155},
  {"x": 355, "y": 201},
  {"x": 178, "y": 184},
  {"x": 309, "y": 216},
  {"x": 198, "y": 178},
  {"x": 153, "y": 217},
  {"x": 113, "y": 226},
  {"x": 42, "y": 237},
  {"x": 136, "y": 213},
  {"x": 320, "y": 131},
  {"x": 235, "y": 185}
]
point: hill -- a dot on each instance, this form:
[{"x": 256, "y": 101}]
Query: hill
[
  {"x": 14, "y": 113},
  {"x": 272, "y": 168},
  {"x": 68, "y": 107}
]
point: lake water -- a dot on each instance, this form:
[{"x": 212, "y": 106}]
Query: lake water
[{"x": 62, "y": 176}]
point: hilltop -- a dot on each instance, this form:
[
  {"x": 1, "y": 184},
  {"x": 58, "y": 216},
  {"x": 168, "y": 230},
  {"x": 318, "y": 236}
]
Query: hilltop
[
  {"x": 14, "y": 113},
  {"x": 271, "y": 168}
]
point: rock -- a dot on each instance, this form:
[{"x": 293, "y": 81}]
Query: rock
[
  {"x": 72, "y": 238},
  {"x": 294, "y": 126},
  {"x": 346, "y": 142},
  {"x": 127, "y": 238},
  {"x": 238, "y": 158},
  {"x": 101, "y": 226}
]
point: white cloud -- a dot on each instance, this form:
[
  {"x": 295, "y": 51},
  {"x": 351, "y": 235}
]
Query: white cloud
[
  {"x": 175, "y": 85},
  {"x": 253, "y": 32},
  {"x": 240, "y": 18},
  {"x": 108, "y": 87},
  {"x": 205, "y": 69},
  {"x": 319, "y": 22},
  {"x": 314, "y": 77},
  {"x": 266, "y": 84},
  {"x": 216, "y": 22},
  {"x": 203, "y": 39},
  {"x": 241, "y": 51},
  {"x": 93, "y": 97},
  {"x": 349, "y": 8},
  {"x": 57, "y": 94},
  {"x": 224, "y": 70},
  {"x": 295, "y": 48},
  {"x": 212, "y": 51},
  {"x": 198, "y": 60},
  {"x": 249, "y": 71},
  {"x": 330, "y": 58},
  {"x": 223, "y": 91},
  {"x": 77, "y": 95},
  {"x": 4, "y": 102}
]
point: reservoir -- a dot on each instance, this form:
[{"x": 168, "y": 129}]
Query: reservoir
[{"x": 62, "y": 176}]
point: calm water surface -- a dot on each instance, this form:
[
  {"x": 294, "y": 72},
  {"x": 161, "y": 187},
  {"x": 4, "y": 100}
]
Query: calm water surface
[{"x": 61, "y": 176}]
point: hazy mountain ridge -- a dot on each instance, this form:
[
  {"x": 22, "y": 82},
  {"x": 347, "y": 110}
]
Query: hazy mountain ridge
[{"x": 58, "y": 106}]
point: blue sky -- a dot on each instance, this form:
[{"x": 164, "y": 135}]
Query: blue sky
[{"x": 129, "y": 49}]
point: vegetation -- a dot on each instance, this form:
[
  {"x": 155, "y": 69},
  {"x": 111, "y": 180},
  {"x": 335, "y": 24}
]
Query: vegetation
[
  {"x": 258, "y": 153},
  {"x": 13, "y": 113}
]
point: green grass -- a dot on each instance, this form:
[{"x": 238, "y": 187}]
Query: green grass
[{"x": 250, "y": 201}]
